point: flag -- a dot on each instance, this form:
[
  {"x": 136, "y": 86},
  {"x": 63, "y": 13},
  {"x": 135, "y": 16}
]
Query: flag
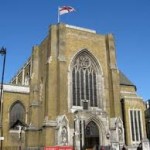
[{"x": 65, "y": 9}]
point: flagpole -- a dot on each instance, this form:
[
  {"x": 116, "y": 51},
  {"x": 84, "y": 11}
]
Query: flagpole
[{"x": 58, "y": 17}]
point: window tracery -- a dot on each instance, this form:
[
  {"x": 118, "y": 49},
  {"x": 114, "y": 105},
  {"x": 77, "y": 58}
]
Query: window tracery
[{"x": 84, "y": 80}]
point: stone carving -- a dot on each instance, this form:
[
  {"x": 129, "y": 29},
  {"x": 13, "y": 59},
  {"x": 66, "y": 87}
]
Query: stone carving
[
  {"x": 64, "y": 135},
  {"x": 117, "y": 130},
  {"x": 120, "y": 134},
  {"x": 84, "y": 62},
  {"x": 119, "y": 126},
  {"x": 145, "y": 144},
  {"x": 62, "y": 130}
]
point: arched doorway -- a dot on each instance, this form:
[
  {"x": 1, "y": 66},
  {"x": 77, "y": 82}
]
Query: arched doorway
[{"x": 92, "y": 135}]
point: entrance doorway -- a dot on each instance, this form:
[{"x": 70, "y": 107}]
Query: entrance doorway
[{"x": 92, "y": 136}]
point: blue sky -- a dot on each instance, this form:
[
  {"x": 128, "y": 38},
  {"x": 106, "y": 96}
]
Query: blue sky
[{"x": 25, "y": 23}]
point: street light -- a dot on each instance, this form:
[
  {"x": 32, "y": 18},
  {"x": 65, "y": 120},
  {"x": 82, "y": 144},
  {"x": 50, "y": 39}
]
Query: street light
[{"x": 3, "y": 53}]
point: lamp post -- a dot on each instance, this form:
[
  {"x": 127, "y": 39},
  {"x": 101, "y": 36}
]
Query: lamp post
[{"x": 3, "y": 53}]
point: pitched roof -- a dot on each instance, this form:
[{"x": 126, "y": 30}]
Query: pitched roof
[{"x": 125, "y": 81}]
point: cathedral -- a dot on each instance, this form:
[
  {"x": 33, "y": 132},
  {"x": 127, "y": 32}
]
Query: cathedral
[{"x": 70, "y": 94}]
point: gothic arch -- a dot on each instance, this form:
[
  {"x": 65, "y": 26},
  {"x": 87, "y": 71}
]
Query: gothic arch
[
  {"x": 85, "y": 80},
  {"x": 92, "y": 138},
  {"x": 16, "y": 113},
  {"x": 17, "y": 101},
  {"x": 100, "y": 125},
  {"x": 88, "y": 52}
]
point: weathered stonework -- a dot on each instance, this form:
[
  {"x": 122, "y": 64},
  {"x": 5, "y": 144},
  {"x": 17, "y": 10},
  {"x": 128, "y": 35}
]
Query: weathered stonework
[{"x": 51, "y": 117}]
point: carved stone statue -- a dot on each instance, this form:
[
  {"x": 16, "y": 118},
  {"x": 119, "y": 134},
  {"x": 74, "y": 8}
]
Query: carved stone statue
[{"x": 64, "y": 135}]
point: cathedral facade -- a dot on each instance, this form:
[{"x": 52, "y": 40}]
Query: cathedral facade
[{"x": 70, "y": 92}]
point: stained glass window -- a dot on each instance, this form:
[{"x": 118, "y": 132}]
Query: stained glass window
[{"x": 84, "y": 80}]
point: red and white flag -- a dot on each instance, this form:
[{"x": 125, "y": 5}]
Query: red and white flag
[{"x": 65, "y": 9}]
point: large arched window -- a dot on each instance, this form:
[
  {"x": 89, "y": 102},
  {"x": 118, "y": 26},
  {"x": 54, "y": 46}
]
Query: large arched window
[
  {"x": 17, "y": 114},
  {"x": 85, "y": 82}
]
